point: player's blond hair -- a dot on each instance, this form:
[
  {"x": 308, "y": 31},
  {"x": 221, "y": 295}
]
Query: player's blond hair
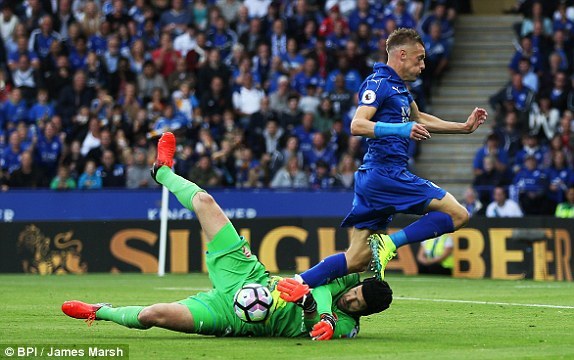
[{"x": 403, "y": 36}]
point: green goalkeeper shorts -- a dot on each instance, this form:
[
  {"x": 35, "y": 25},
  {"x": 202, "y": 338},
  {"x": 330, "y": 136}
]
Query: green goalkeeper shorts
[{"x": 231, "y": 265}]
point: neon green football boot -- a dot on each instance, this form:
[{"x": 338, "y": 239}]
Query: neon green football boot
[{"x": 383, "y": 250}]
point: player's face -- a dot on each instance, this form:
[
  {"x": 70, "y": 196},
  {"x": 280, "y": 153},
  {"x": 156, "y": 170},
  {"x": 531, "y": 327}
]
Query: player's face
[
  {"x": 413, "y": 61},
  {"x": 352, "y": 301}
]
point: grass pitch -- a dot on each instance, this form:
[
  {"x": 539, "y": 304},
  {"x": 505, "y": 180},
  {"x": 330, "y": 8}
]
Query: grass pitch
[{"x": 430, "y": 318}]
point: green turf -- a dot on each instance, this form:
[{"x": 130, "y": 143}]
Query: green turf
[{"x": 410, "y": 329}]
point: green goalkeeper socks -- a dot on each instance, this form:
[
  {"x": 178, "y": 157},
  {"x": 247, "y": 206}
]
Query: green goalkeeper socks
[
  {"x": 126, "y": 316},
  {"x": 183, "y": 189}
]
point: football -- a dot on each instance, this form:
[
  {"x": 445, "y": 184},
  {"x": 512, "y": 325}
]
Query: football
[{"x": 252, "y": 303}]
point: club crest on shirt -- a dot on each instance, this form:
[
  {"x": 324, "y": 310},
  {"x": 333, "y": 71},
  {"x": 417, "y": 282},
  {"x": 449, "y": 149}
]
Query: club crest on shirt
[{"x": 368, "y": 97}]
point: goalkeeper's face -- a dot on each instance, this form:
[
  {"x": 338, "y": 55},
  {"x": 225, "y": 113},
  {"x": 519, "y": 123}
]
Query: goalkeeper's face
[{"x": 353, "y": 300}]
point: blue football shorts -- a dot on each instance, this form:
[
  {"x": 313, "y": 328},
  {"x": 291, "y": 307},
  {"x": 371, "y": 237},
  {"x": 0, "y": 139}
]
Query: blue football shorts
[{"x": 382, "y": 192}]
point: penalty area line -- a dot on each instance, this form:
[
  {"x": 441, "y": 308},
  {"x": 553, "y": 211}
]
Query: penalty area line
[{"x": 486, "y": 302}]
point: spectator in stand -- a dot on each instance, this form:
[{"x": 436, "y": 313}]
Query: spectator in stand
[
  {"x": 221, "y": 37},
  {"x": 105, "y": 143},
  {"x": 14, "y": 110},
  {"x": 290, "y": 175},
  {"x": 247, "y": 100},
  {"x": 525, "y": 51},
  {"x": 320, "y": 151},
  {"x": 12, "y": 154},
  {"x": 536, "y": 15},
  {"x": 92, "y": 18},
  {"x": 328, "y": 24},
  {"x": 346, "y": 171},
  {"x": 229, "y": 9},
  {"x": 440, "y": 14},
  {"x": 566, "y": 209},
  {"x": 530, "y": 146},
  {"x": 63, "y": 181},
  {"x": 73, "y": 158},
  {"x": 278, "y": 100},
  {"x": 8, "y": 22},
  {"x": 165, "y": 57},
  {"x": 305, "y": 133},
  {"x": 74, "y": 97},
  {"x": 529, "y": 77},
  {"x": 352, "y": 77},
  {"x": 63, "y": 18},
  {"x": 26, "y": 78},
  {"x": 437, "y": 57},
  {"x": 363, "y": 14},
  {"x": 176, "y": 19},
  {"x": 90, "y": 179},
  {"x": 112, "y": 173},
  {"x": 543, "y": 120},
  {"x": 471, "y": 202},
  {"x": 561, "y": 177},
  {"x": 203, "y": 173},
  {"x": 531, "y": 184},
  {"x": 149, "y": 80},
  {"x": 48, "y": 150},
  {"x": 170, "y": 120},
  {"x": 308, "y": 75},
  {"x": 310, "y": 102},
  {"x": 341, "y": 98},
  {"x": 137, "y": 173},
  {"x": 321, "y": 177},
  {"x": 292, "y": 60},
  {"x": 516, "y": 94},
  {"x": 509, "y": 136},
  {"x": 215, "y": 101},
  {"x": 488, "y": 179},
  {"x": 325, "y": 116},
  {"x": 186, "y": 103},
  {"x": 558, "y": 94},
  {"x": 565, "y": 130},
  {"x": 401, "y": 16},
  {"x": 213, "y": 67},
  {"x": 368, "y": 42},
  {"x": 253, "y": 37},
  {"x": 42, "y": 38},
  {"x": 28, "y": 175},
  {"x": 502, "y": 206},
  {"x": 22, "y": 49},
  {"x": 493, "y": 149}
]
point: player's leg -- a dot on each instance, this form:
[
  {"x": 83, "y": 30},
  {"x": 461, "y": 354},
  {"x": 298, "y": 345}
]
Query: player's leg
[
  {"x": 191, "y": 196},
  {"x": 442, "y": 216},
  {"x": 173, "y": 316}
]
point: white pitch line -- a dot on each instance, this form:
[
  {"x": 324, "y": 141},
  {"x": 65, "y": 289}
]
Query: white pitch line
[
  {"x": 183, "y": 289},
  {"x": 486, "y": 303}
]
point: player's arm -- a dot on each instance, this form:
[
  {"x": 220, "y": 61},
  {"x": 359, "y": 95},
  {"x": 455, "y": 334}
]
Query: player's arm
[
  {"x": 362, "y": 125},
  {"x": 435, "y": 125}
]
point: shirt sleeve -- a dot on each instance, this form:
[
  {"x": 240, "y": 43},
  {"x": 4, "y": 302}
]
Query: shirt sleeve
[
  {"x": 372, "y": 93},
  {"x": 325, "y": 294}
]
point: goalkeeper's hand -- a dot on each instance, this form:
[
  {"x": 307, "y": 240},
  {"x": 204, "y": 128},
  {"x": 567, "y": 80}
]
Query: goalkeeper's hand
[
  {"x": 292, "y": 290},
  {"x": 324, "y": 329}
]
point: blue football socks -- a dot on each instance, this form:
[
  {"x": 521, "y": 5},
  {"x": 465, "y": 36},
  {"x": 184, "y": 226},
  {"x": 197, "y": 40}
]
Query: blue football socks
[
  {"x": 330, "y": 268},
  {"x": 431, "y": 225}
]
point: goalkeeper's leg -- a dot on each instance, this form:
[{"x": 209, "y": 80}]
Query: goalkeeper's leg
[
  {"x": 191, "y": 196},
  {"x": 172, "y": 316}
]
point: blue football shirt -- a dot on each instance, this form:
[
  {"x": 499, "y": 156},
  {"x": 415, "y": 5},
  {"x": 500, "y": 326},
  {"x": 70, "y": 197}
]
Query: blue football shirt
[{"x": 387, "y": 92}]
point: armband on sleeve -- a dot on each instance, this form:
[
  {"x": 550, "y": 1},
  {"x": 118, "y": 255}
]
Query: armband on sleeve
[{"x": 385, "y": 129}]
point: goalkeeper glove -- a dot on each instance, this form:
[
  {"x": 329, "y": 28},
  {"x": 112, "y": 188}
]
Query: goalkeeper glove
[
  {"x": 324, "y": 329},
  {"x": 298, "y": 293}
]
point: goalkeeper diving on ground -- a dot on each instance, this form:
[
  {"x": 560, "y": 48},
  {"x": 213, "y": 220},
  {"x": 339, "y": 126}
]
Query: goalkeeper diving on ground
[{"x": 329, "y": 311}]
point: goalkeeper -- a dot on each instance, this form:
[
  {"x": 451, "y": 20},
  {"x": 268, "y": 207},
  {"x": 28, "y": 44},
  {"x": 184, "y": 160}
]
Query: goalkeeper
[{"x": 329, "y": 311}]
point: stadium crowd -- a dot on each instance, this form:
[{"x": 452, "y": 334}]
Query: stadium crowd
[
  {"x": 528, "y": 157},
  {"x": 260, "y": 93}
]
